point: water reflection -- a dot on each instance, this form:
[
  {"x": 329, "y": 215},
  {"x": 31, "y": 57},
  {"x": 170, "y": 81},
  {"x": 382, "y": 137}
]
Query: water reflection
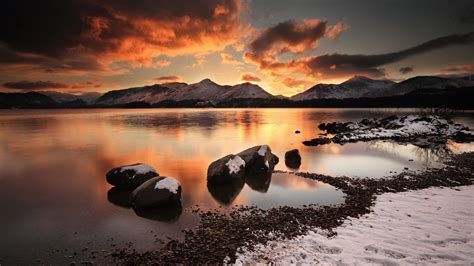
[
  {"x": 226, "y": 193},
  {"x": 277, "y": 189},
  {"x": 52, "y": 165},
  {"x": 169, "y": 214},
  {"x": 119, "y": 197}
]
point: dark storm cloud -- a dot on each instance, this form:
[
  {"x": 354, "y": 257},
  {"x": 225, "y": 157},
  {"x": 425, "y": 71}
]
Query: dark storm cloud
[
  {"x": 114, "y": 29},
  {"x": 342, "y": 64},
  {"x": 292, "y": 34},
  {"x": 34, "y": 85},
  {"x": 405, "y": 70}
]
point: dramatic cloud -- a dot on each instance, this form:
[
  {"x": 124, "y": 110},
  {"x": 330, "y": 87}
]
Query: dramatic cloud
[
  {"x": 293, "y": 36},
  {"x": 250, "y": 77},
  {"x": 165, "y": 79},
  {"x": 34, "y": 85},
  {"x": 99, "y": 32},
  {"x": 229, "y": 59},
  {"x": 465, "y": 68},
  {"x": 405, "y": 70},
  {"x": 289, "y": 36},
  {"x": 344, "y": 65}
]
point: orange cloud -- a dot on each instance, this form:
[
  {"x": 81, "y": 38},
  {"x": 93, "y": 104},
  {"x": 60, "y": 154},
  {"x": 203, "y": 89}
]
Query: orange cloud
[
  {"x": 229, "y": 59},
  {"x": 463, "y": 68},
  {"x": 90, "y": 35},
  {"x": 166, "y": 79},
  {"x": 293, "y": 83},
  {"x": 250, "y": 77}
]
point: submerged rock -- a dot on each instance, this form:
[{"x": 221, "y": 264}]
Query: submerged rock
[
  {"x": 130, "y": 176},
  {"x": 226, "y": 170},
  {"x": 158, "y": 191},
  {"x": 293, "y": 158}
]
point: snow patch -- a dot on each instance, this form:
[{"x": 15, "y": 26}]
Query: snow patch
[
  {"x": 235, "y": 164},
  {"x": 403, "y": 127},
  {"x": 168, "y": 183},
  {"x": 417, "y": 227},
  {"x": 263, "y": 150},
  {"x": 140, "y": 169}
]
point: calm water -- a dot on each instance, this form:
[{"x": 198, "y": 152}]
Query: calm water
[{"x": 53, "y": 165}]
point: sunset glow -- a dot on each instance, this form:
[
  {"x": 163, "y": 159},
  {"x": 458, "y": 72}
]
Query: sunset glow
[{"x": 97, "y": 46}]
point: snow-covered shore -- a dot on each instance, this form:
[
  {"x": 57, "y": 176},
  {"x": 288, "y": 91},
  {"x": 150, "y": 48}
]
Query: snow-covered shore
[{"x": 434, "y": 225}]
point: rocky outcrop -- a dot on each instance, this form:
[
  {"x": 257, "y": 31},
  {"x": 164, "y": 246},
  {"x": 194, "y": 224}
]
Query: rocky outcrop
[
  {"x": 130, "y": 176},
  {"x": 409, "y": 129}
]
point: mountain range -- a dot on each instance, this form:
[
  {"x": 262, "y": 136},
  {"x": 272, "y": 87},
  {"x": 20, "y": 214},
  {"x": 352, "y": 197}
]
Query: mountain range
[{"x": 208, "y": 93}]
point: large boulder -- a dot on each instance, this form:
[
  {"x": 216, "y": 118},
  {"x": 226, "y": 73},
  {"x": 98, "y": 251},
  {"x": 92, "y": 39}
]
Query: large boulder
[
  {"x": 293, "y": 159},
  {"x": 130, "y": 176},
  {"x": 259, "y": 158},
  {"x": 254, "y": 162},
  {"x": 158, "y": 191},
  {"x": 226, "y": 170}
]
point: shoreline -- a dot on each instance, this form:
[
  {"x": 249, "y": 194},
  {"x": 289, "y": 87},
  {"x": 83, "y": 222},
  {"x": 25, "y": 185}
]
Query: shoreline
[{"x": 218, "y": 237}]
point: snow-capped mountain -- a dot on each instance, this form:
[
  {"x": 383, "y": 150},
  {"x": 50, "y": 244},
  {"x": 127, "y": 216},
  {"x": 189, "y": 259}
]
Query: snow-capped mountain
[
  {"x": 424, "y": 82},
  {"x": 355, "y": 87},
  {"x": 358, "y": 87},
  {"x": 206, "y": 90}
]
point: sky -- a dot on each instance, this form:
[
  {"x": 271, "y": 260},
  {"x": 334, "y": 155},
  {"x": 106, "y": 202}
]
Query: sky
[{"x": 80, "y": 46}]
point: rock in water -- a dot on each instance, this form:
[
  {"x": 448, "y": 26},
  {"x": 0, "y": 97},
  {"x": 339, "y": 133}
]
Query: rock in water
[
  {"x": 226, "y": 170},
  {"x": 158, "y": 191},
  {"x": 130, "y": 176},
  {"x": 293, "y": 159},
  {"x": 259, "y": 158},
  {"x": 254, "y": 161}
]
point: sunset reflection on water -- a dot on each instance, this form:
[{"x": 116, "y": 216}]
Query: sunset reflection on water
[{"x": 53, "y": 165}]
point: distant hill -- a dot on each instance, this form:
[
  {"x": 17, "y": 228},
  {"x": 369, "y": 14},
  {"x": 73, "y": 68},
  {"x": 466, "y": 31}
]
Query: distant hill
[
  {"x": 26, "y": 100},
  {"x": 355, "y": 87},
  {"x": 205, "y": 90},
  {"x": 424, "y": 82}
]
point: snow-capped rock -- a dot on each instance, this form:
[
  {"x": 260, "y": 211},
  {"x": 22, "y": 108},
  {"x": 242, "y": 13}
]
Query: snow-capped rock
[
  {"x": 226, "y": 169},
  {"x": 409, "y": 128},
  {"x": 158, "y": 191},
  {"x": 130, "y": 176}
]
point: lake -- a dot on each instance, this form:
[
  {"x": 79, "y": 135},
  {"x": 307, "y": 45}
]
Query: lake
[{"x": 55, "y": 199}]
